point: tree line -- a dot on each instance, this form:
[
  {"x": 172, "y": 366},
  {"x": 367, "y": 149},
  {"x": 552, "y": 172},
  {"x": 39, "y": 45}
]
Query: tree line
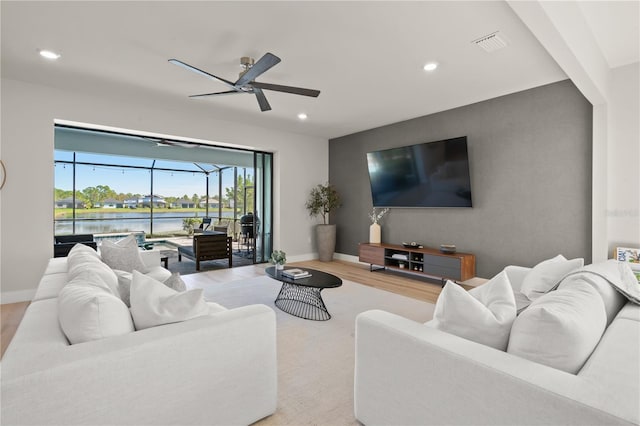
[{"x": 96, "y": 195}]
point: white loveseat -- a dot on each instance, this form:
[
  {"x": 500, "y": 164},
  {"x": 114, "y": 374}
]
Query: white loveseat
[
  {"x": 410, "y": 374},
  {"x": 216, "y": 369}
]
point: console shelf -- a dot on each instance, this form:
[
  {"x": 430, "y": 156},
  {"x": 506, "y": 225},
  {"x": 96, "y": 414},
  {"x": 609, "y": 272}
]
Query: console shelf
[{"x": 428, "y": 262}]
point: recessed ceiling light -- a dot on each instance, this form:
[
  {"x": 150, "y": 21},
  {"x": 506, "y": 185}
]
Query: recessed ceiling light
[
  {"x": 49, "y": 54},
  {"x": 302, "y": 116},
  {"x": 431, "y": 66}
]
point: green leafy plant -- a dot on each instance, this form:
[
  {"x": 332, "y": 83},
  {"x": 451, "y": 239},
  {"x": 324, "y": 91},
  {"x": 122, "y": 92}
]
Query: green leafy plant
[
  {"x": 278, "y": 257},
  {"x": 323, "y": 199},
  {"x": 189, "y": 223}
]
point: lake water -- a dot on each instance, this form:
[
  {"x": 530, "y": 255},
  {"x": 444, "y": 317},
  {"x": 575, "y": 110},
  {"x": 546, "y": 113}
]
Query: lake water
[{"x": 101, "y": 223}]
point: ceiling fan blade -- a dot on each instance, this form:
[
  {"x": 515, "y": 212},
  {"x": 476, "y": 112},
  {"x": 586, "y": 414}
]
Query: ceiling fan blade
[
  {"x": 262, "y": 100},
  {"x": 199, "y": 71},
  {"x": 263, "y": 64},
  {"x": 228, "y": 92},
  {"x": 287, "y": 89}
]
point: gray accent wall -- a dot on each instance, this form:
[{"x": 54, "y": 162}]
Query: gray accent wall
[{"x": 530, "y": 156}]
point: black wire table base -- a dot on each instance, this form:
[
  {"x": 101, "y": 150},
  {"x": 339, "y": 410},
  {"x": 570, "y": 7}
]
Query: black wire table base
[{"x": 303, "y": 302}]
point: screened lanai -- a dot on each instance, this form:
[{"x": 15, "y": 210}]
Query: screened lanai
[{"x": 110, "y": 183}]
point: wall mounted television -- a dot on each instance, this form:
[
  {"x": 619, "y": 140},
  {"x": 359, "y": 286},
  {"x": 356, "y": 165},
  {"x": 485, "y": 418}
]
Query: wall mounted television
[{"x": 431, "y": 174}]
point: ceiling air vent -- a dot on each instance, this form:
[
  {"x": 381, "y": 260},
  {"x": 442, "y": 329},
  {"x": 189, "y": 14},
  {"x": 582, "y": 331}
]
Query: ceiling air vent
[{"x": 491, "y": 42}]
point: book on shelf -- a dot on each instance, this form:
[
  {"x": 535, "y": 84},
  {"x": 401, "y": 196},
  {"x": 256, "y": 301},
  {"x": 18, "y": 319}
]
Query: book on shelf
[{"x": 295, "y": 273}]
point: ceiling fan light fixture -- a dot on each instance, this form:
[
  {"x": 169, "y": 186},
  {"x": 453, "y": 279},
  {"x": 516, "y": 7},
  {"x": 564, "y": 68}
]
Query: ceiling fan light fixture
[
  {"x": 302, "y": 116},
  {"x": 431, "y": 66},
  {"x": 49, "y": 54}
]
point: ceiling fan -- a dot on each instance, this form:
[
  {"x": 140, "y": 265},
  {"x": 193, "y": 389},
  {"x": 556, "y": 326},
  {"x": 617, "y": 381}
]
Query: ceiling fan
[{"x": 247, "y": 84}]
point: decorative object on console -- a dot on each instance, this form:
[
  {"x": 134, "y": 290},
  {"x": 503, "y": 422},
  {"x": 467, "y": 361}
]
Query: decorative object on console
[
  {"x": 323, "y": 199},
  {"x": 448, "y": 248},
  {"x": 412, "y": 244},
  {"x": 279, "y": 258},
  {"x": 374, "y": 229}
]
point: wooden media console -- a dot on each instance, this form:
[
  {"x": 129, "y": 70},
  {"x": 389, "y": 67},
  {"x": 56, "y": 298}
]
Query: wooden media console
[{"x": 428, "y": 262}]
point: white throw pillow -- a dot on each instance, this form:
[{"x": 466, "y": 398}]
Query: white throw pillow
[
  {"x": 88, "y": 311},
  {"x": 123, "y": 255},
  {"x": 561, "y": 328},
  {"x": 153, "y": 303},
  {"x": 85, "y": 264},
  {"x": 483, "y": 315},
  {"x": 547, "y": 274},
  {"x": 81, "y": 248}
]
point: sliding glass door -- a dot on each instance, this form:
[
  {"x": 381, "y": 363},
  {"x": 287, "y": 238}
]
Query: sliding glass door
[{"x": 263, "y": 193}]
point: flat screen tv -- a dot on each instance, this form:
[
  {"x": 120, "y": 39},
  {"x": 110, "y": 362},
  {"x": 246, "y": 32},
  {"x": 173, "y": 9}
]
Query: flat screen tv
[{"x": 432, "y": 174}]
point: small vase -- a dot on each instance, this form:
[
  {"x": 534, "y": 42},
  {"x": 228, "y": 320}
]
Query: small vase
[
  {"x": 279, "y": 266},
  {"x": 374, "y": 233}
]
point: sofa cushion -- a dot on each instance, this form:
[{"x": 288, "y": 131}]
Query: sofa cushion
[
  {"x": 87, "y": 310},
  {"x": 56, "y": 265},
  {"x": 123, "y": 255},
  {"x": 547, "y": 274},
  {"x": 561, "y": 328},
  {"x": 483, "y": 315},
  {"x": 50, "y": 285},
  {"x": 153, "y": 303}
]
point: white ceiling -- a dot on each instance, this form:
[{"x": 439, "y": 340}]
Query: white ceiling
[{"x": 366, "y": 58}]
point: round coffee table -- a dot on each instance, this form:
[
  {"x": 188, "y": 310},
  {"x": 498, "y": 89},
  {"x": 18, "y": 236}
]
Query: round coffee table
[{"x": 301, "y": 297}]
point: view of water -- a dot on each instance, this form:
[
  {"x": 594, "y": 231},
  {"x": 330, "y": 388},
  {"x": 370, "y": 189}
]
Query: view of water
[{"x": 101, "y": 223}]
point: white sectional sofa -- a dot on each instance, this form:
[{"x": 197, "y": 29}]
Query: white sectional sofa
[
  {"x": 214, "y": 369},
  {"x": 410, "y": 374}
]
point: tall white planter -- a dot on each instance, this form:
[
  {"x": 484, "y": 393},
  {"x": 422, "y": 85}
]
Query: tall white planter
[
  {"x": 326, "y": 239},
  {"x": 374, "y": 233}
]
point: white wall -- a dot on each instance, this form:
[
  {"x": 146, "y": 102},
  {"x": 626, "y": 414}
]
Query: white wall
[
  {"x": 623, "y": 204},
  {"x": 26, "y": 212}
]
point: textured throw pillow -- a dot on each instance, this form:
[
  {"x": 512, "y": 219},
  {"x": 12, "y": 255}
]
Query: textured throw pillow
[
  {"x": 561, "y": 328},
  {"x": 547, "y": 274},
  {"x": 483, "y": 315},
  {"x": 88, "y": 311},
  {"x": 124, "y": 283},
  {"x": 153, "y": 303},
  {"x": 123, "y": 255},
  {"x": 175, "y": 282}
]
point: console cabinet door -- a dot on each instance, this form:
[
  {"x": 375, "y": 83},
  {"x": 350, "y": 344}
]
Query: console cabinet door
[{"x": 371, "y": 254}]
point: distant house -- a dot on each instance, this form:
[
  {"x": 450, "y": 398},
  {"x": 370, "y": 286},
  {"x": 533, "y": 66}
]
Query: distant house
[
  {"x": 67, "y": 203},
  {"x": 213, "y": 203},
  {"x": 111, "y": 203},
  {"x": 130, "y": 203},
  {"x": 183, "y": 203},
  {"x": 158, "y": 201}
]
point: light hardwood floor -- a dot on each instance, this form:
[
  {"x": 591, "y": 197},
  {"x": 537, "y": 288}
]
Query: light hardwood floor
[{"x": 396, "y": 283}]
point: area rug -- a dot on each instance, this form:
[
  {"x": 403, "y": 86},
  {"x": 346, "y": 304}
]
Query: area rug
[
  {"x": 315, "y": 359},
  {"x": 188, "y": 266}
]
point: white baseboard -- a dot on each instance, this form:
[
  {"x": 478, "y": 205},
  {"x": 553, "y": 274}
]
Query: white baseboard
[
  {"x": 347, "y": 258},
  {"x": 302, "y": 257},
  {"x": 17, "y": 296}
]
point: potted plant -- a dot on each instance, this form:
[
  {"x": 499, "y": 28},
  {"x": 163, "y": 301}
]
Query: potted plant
[
  {"x": 279, "y": 258},
  {"x": 323, "y": 199}
]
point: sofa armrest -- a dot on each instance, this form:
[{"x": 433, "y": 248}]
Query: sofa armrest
[
  {"x": 407, "y": 373},
  {"x": 151, "y": 258},
  {"x": 217, "y": 369},
  {"x": 516, "y": 276}
]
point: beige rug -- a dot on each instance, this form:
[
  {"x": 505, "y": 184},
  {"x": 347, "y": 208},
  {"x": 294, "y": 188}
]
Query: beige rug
[{"x": 315, "y": 358}]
